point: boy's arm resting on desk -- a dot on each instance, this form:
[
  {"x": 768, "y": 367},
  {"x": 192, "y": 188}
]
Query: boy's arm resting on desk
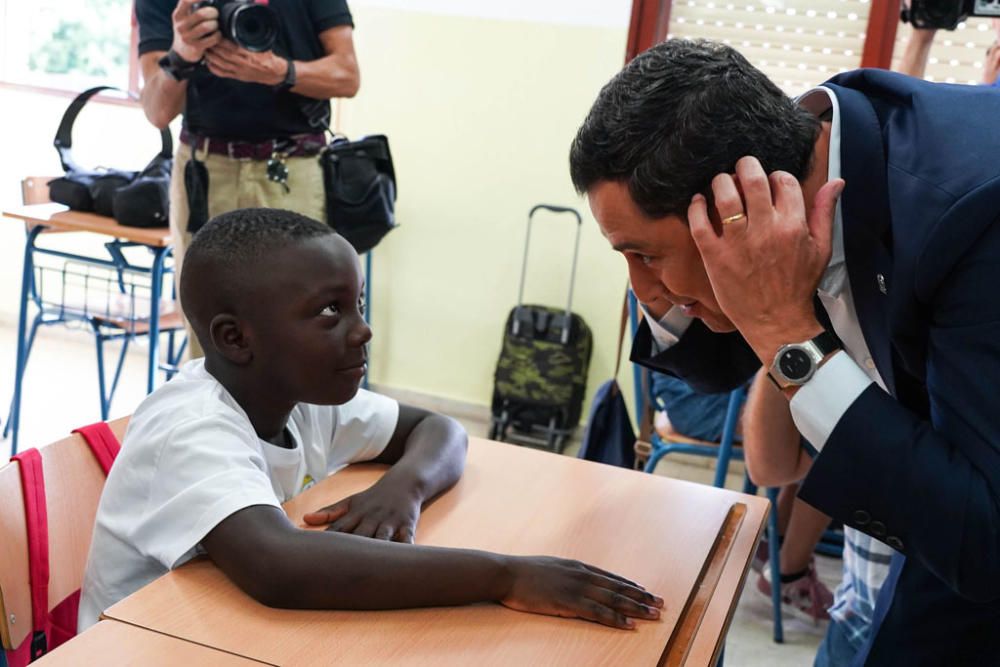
[
  {"x": 281, "y": 565},
  {"x": 427, "y": 455}
]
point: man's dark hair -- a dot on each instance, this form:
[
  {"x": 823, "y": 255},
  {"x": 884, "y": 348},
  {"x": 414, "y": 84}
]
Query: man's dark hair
[
  {"x": 230, "y": 248},
  {"x": 679, "y": 114}
]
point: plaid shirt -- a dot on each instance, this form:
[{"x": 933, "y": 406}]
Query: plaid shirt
[{"x": 866, "y": 565}]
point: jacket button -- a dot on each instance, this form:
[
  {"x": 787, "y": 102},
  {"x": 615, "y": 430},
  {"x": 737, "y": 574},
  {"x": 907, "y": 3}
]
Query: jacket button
[
  {"x": 894, "y": 542},
  {"x": 876, "y": 528},
  {"x": 861, "y": 518},
  {"x": 880, "y": 279}
]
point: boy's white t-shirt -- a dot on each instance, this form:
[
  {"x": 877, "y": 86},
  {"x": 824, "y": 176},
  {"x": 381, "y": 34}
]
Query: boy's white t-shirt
[{"x": 191, "y": 458}]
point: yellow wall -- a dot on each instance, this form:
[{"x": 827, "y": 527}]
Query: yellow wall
[{"x": 480, "y": 113}]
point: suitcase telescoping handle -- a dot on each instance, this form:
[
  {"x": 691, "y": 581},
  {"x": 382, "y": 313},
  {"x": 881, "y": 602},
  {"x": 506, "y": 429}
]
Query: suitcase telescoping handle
[{"x": 572, "y": 275}]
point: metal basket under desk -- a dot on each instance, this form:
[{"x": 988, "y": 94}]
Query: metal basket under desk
[
  {"x": 98, "y": 296},
  {"x": 110, "y": 298}
]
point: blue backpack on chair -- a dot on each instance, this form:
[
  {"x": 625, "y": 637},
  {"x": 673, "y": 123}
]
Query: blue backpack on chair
[{"x": 609, "y": 437}]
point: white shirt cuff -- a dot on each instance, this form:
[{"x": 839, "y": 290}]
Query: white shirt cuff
[
  {"x": 668, "y": 330},
  {"x": 820, "y": 403}
]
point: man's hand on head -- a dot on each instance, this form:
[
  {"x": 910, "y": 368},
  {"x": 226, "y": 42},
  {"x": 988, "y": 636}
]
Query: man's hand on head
[
  {"x": 195, "y": 30},
  {"x": 229, "y": 61},
  {"x": 763, "y": 254},
  {"x": 383, "y": 511}
]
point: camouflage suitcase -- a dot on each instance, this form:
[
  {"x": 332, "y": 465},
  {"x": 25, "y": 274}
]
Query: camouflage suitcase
[{"x": 541, "y": 374}]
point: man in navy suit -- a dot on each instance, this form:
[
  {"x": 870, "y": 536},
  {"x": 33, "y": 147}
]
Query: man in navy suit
[{"x": 849, "y": 242}]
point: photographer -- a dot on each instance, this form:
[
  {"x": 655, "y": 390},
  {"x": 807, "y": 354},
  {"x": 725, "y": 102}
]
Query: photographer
[{"x": 247, "y": 114}]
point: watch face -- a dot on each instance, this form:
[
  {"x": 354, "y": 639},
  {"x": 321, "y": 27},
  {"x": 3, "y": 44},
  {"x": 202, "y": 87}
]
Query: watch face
[{"x": 795, "y": 364}]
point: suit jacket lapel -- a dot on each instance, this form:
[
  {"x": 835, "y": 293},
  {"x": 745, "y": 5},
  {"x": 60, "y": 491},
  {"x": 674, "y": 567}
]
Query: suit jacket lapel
[{"x": 866, "y": 216}]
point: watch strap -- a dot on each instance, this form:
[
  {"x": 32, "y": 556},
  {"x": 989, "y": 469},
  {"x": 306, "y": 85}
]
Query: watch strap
[
  {"x": 290, "y": 78},
  {"x": 827, "y": 342},
  {"x": 176, "y": 67}
]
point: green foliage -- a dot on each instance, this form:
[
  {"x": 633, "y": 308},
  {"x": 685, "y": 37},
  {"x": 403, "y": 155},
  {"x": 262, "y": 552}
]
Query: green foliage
[{"x": 90, "y": 38}]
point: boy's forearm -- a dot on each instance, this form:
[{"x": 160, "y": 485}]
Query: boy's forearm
[
  {"x": 433, "y": 459},
  {"x": 293, "y": 568},
  {"x": 361, "y": 573}
]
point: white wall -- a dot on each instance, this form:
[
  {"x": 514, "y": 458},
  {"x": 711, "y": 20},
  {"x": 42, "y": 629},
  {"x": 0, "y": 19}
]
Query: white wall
[{"x": 480, "y": 101}]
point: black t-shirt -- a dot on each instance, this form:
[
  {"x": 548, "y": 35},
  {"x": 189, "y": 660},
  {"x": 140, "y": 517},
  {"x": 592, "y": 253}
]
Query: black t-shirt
[{"x": 231, "y": 109}]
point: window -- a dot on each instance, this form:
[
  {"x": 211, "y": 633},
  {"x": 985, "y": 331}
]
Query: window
[
  {"x": 797, "y": 43},
  {"x": 68, "y": 44}
]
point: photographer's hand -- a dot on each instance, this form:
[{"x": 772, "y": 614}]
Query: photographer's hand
[
  {"x": 991, "y": 68},
  {"x": 229, "y": 61},
  {"x": 917, "y": 52},
  {"x": 195, "y": 30}
]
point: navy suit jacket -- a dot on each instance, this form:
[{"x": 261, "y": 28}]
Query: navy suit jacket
[{"x": 918, "y": 468}]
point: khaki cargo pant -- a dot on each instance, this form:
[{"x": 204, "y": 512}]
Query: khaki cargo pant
[{"x": 236, "y": 184}]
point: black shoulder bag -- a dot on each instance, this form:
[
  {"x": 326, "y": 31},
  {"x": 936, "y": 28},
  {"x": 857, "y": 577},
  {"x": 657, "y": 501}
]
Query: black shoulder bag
[
  {"x": 134, "y": 199},
  {"x": 360, "y": 185}
]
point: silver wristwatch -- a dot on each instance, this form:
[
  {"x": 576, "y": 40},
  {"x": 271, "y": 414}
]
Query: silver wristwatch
[{"x": 795, "y": 363}]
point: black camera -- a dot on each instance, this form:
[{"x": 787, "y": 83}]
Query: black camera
[
  {"x": 947, "y": 14},
  {"x": 252, "y": 26}
]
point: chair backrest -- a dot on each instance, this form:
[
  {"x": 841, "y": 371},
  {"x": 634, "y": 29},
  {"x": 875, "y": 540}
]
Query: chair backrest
[
  {"x": 35, "y": 189},
  {"x": 73, "y": 484},
  {"x": 15, "y": 592}
]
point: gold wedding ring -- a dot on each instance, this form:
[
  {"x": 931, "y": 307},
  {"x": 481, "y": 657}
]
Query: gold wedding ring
[{"x": 734, "y": 218}]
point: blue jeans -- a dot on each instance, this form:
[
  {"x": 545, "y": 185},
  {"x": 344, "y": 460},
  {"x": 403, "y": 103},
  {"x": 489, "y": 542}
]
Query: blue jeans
[
  {"x": 836, "y": 650},
  {"x": 695, "y": 415}
]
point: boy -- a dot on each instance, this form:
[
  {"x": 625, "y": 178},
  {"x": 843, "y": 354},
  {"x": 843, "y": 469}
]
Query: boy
[{"x": 275, "y": 299}]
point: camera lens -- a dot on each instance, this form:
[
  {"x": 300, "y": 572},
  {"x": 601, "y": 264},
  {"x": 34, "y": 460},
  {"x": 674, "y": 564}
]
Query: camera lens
[{"x": 254, "y": 27}]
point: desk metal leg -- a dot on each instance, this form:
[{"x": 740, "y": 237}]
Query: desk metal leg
[
  {"x": 156, "y": 276},
  {"x": 22, "y": 321},
  {"x": 37, "y": 322}
]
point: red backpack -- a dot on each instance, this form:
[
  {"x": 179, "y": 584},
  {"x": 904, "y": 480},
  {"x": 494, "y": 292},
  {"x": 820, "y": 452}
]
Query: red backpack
[{"x": 50, "y": 628}]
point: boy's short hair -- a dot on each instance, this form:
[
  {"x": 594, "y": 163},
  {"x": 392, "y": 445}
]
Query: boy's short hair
[
  {"x": 244, "y": 235},
  {"x": 229, "y": 249}
]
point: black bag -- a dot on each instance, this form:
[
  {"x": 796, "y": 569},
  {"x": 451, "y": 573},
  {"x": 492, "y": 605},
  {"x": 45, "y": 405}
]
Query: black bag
[
  {"x": 609, "y": 437},
  {"x": 360, "y": 185},
  {"x": 134, "y": 199}
]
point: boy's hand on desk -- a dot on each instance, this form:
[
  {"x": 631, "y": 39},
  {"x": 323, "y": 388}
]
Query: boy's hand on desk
[
  {"x": 382, "y": 512},
  {"x": 559, "y": 587}
]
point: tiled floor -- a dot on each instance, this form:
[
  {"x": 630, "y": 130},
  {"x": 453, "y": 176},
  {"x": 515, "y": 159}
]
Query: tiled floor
[{"x": 60, "y": 393}]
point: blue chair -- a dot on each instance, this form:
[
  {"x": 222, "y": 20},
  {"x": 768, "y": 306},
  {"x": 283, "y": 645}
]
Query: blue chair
[{"x": 667, "y": 442}]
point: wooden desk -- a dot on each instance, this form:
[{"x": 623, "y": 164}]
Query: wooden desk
[
  {"x": 692, "y": 544},
  {"x": 114, "y": 643},
  {"x": 56, "y": 217}
]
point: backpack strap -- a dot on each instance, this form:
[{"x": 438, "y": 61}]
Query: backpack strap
[
  {"x": 37, "y": 522},
  {"x": 102, "y": 443}
]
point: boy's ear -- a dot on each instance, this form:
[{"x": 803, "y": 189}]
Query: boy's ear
[{"x": 229, "y": 338}]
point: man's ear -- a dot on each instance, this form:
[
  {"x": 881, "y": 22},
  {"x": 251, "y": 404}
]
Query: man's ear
[{"x": 230, "y": 339}]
